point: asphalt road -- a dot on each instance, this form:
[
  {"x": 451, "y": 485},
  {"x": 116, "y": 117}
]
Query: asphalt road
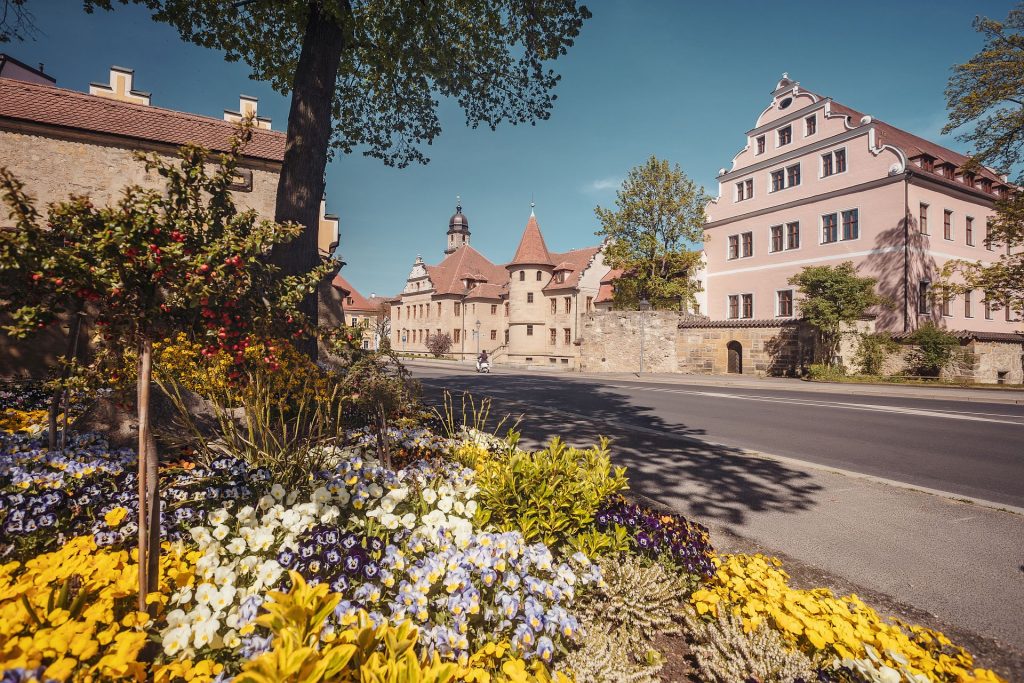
[
  {"x": 807, "y": 474},
  {"x": 970, "y": 449}
]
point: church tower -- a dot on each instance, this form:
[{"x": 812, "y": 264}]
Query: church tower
[{"x": 458, "y": 229}]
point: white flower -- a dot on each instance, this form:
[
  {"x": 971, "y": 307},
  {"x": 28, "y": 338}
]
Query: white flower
[
  {"x": 201, "y": 535},
  {"x": 261, "y": 539},
  {"x": 408, "y": 520},
  {"x": 236, "y": 546},
  {"x": 330, "y": 513},
  {"x": 176, "y": 617},
  {"x": 204, "y": 632},
  {"x": 292, "y": 497},
  {"x": 205, "y": 592},
  {"x": 231, "y": 639},
  {"x": 277, "y": 491},
  {"x": 445, "y": 504},
  {"x": 389, "y": 521},
  {"x": 399, "y": 494},
  {"x": 471, "y": 508},
  {"x": 321, "y": 495},
  {"x": 387, "y": 504},
  {"x": 342, "y": 496},
  {"x": 375, "y": 490},
  {"x": 223, "y": 598},
  {"x": 225, "y": 575},
  {"x": 176, "y": 639},
  {"x": 460, "y": 507},
  {"x": 269, "y": 572},
  {"x": 220, "y": 532},
  {"x": 429, "y": 496},
  {"x": 434, "y": 518},
  {"x": 219, "y": 516}
]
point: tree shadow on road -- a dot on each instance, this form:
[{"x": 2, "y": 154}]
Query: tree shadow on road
[{"x": 667, "y": 462}]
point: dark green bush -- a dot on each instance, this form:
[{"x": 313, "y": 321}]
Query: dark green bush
[
  {"x": 872, "y": 350},
  {"x": 932, "y": 350}
]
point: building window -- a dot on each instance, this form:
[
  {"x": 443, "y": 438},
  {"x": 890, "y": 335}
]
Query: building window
[
  {"x": 553, "y": 337},
  {"x": 554, "y": 306},
  {"x": 792, "y": 235},
  {"x": 506, "y": 309},
  {"x": 851, "y": 230},
  {"x": 924, "y": 302},
  {"x": 494, "y": 335},
  {"x": 568, "y": 304},
  {"x": 969, "y": 230},
  {"x": 748, "y": 305},
  {"x": 522, "y": 275},
  {"x": 748, "y": 244},
  {"x": 745, "y": 189},
  {"x": 988, "y": 307},
  {"x": 567, "y": 335},
  {"x": 784, "y": 303},
  {"x": 760, "y": 144},
  {"x": 988, "y": 237},
  {"x": 739, "y": 192},
  {"x": 506, "y": 336},
  {"x": 833, "y": 162},
  {"x": 829, "y": 228},
  {"x": 793, "y": 175},
  {"x": 540, "y": 274},
  {"x": 947, "y": 224},
  {"x": 811, "y": 125},
  {"x": 734, "y": 306},
  {"x": 529, "y": 297},
  {"x": 590, "y": 304},
  {"x": 529, "y": 330},
  {"x": 968, "y": 313},
  {"x": 560, "y": 277},
  {"x": 456, "y": 335},
  {"x": 947, "y": 305},
  {"x": 778, "y": 180},
  {"x": 922, "y": 221},
  {"x": 776, "y": 231},
  {"x": 458, "y": 308},
  {"x": 785, "y": 136},
  {"x": 734, "y": 246}
]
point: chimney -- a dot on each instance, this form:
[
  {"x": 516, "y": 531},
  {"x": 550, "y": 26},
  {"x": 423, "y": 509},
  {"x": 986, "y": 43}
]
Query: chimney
[
  {"x": 120, "y": 87},
  {"x": 247, "y": 107}
]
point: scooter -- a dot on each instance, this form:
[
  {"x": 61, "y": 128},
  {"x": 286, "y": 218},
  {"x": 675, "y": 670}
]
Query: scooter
[{"x": 483, "y": 366}]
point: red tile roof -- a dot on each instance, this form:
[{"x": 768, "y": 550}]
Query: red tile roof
[
  {"x": 607, "y": 290},
  {"x": 52, "y": 106},
  {"x": 359, "y": 302},
  {"x": 487, "y": 291},
  {"x": 912, "y": 145},
  {"x": 532, "y": 249},
  {"x": 575, "y": 261},
  {"x": 465, "y": 262}
]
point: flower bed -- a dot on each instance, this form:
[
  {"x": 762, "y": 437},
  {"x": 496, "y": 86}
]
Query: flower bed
[{"x": 448, "y": 568}]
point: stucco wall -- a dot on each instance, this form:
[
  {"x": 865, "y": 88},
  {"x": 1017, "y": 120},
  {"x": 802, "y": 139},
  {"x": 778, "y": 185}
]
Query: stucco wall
[{"x": 765, "y": 350}]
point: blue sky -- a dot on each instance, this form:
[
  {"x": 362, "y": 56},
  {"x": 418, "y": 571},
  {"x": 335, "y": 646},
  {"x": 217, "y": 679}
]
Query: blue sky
[{"x": 681, "y": 80}]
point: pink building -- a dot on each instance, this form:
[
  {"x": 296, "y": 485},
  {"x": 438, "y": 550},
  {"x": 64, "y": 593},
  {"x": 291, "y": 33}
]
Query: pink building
[{"x": 818, "y": 184}]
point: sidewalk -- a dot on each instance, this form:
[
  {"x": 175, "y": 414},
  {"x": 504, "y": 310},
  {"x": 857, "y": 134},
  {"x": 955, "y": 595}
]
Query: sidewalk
[{"x": 942, "y": 393}]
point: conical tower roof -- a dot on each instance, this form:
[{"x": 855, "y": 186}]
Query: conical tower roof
[{"x": 532, "y": 249}]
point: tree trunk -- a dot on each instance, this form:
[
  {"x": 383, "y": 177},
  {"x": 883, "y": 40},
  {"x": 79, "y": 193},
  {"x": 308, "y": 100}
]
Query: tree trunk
[
  {"x": 149, "y": 500},
  {"x": 301, "y": 185}
]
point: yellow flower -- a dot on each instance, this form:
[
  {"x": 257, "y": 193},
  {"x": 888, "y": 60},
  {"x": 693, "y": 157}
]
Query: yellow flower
[{"x": 115, "y": 516}]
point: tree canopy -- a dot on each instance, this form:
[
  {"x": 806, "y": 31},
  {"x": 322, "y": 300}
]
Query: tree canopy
[
  {"x": 986, "y": 94},
  {"x": 832, "y": 297},
  {"x": 659, "y": 213}
]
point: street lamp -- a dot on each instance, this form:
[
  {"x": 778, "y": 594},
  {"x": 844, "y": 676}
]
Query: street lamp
[
  {"x": 403, "y": 340},
  {"x": 645, "y": 306},
  {"x": 477, "y": 333}
]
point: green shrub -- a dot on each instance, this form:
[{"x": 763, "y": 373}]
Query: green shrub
[
  {"x": 933, "y": 349},
  {"x": 549, "y": 495},
  {"x": 872, "y": 351},
  {"x": 825, "y": 373}
]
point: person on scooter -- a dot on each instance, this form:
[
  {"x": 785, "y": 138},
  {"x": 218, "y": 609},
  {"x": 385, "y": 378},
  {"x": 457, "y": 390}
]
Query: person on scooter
[{"x": 481, "y": 360}]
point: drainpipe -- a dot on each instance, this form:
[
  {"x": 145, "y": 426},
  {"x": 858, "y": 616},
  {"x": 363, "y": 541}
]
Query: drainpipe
[{"x": 906, "y": 252}]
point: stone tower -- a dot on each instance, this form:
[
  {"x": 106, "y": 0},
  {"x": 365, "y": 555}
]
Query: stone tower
[
  {"x": 458, "y": 229},
  {"x": 529, "y": 272}
]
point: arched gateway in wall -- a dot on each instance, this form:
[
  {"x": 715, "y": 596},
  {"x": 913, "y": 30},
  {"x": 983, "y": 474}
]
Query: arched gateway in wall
[{"x": 735, "y": 357}]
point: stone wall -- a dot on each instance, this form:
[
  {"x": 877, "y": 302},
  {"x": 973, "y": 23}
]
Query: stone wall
[
  {"x": 611, "y": 341},
  {"x": 997, "y": 361},
  {"x": 768, "y": 350}
]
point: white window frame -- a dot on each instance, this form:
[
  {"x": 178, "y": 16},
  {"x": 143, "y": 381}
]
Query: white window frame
[
  {"x": 756, "y": 152},
  {"x": 739, "y": 247},
  {"x": 777, "y": 135},
  {"x": 813, "y": 115},
  {"x": 974, "y": 235},
  {"x": 777, "y": 225},
  {"x": 752, "y": 306},
  {"x": 793, "y": 293},
  {"x": 860, "y": 231},
  {"x": 832, "y": 153},
  {"x": 952, "y": 225},
  {"x": 785, "y": 236},
  {"x": 739, "y": 306},
  {"x": 821, "y": 227},
  {"x": 785, "y": 177},
  {"x": 951, "y": 299}
]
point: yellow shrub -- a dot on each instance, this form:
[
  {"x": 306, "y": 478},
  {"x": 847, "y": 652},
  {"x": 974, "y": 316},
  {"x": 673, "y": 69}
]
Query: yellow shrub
[
  {"x": 815, "y": 621},
  {"x": 13, "y": 421},
  {"x": 73, "y": 612}
]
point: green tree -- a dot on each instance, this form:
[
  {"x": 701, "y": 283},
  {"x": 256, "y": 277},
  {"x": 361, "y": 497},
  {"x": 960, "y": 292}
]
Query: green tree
[
  {"x": 150, "y": 265},
  {"x": 659, "y": 214},
  {"x": 832, "y": 297},
  {"x": 371, "y": 74},
  {"x": 932, "y": 349},
  {"x": 987, "y": 93}
]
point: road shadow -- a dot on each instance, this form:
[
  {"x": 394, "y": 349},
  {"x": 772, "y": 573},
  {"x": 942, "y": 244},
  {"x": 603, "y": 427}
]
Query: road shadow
[{"x": 710, "y": 483}]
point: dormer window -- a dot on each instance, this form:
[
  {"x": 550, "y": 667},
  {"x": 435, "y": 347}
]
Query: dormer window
[
  {"x": 811, "y": 125},
  {"x": 350, "y": 301},
  {"x": 927, "y": 163},
  {"x": 785, "y": 136},
  {"x": 560, "y": 277},
  {"x": 760, "y": 144}
]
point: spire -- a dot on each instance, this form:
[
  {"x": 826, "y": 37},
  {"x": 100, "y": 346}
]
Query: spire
[
  {"x": 532, "y": 249},
  {"x": 532, "y": 204}
]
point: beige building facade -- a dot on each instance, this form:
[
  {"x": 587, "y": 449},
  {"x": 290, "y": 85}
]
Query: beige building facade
[{"x": 526, "y": 312}]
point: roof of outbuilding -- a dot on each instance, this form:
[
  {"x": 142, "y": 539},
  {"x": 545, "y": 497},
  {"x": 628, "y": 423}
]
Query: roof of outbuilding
[
  {"x": 574, "y": 262},
  {"x": 464, "y": 262},
  {"x": 976, "y": 335},
  {"x": 693, "y": 321},
  {"x": 77, "y": 111},
  {"x": 359, "y": 302}
]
